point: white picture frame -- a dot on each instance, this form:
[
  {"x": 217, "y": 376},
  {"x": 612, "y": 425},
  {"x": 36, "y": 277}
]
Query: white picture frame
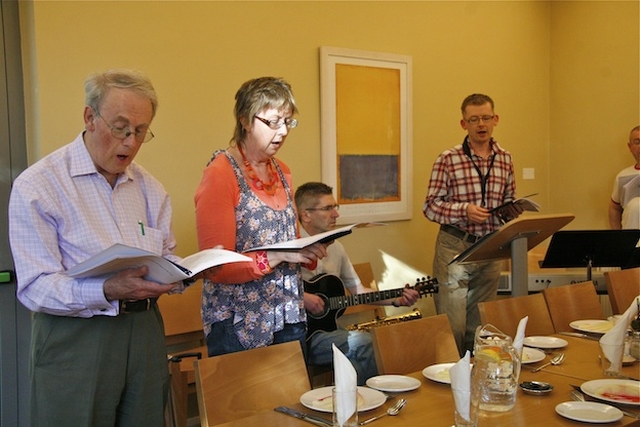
[{"x": 366, "y": 114}]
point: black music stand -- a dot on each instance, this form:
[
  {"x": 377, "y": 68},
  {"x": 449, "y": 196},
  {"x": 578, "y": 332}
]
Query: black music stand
[
  {"x": 514, "y": 240},
  {"x": 591, "y": 248}
]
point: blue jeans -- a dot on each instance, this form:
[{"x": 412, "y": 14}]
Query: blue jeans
[
  {"x": 356, "y": 345},
  {"x": 222, "y": 339}
]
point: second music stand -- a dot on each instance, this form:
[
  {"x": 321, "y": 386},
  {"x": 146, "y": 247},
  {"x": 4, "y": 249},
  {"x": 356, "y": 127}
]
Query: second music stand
[{"x": 591, "y": 248}]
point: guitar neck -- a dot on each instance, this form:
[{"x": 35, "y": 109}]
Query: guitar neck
[{"x": 345, "y": 301}]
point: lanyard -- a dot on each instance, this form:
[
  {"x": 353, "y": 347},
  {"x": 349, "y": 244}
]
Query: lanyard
[{"x": 483, "y": 178}]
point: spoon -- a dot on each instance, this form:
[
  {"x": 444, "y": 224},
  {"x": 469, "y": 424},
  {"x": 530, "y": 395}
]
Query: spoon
[
  {"x": 393, "y": 410},
  {"x": 554, "y": 361}
]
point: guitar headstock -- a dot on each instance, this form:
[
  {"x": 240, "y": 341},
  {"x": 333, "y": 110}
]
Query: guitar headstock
[{"x": 426, "y": 286}]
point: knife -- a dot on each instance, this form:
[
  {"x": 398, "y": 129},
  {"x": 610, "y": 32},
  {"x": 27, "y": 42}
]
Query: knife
[
  {"x": 313, "y": 419},
  {"x": 579, "y": 335}
]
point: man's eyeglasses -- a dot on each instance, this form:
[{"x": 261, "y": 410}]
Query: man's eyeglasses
[
  {"x": 327, "y": 208},
  {"x": 474, "y": 120},
  {"x": 277, "y": 124},
  {"x": 140, "y": 136}
]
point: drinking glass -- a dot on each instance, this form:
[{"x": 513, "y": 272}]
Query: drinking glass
[
  {"x": 473, "y": 415},
  {"x": 611, "y": 368},
  {"x": 345, "y": 408}
]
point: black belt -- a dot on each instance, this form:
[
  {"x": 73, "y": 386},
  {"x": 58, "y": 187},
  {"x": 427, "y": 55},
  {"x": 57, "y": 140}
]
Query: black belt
[
  {"x": 462, "y": 235},
  {"x": 137, "y": 306}
]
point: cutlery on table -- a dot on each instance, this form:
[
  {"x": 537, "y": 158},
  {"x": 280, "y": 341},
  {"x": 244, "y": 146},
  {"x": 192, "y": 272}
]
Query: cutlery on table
[
  {"x": 313, "y": 419},
  {"x": 580, "y": 397},
  {"x": 580, "y": 335},
  {"x": 393, "y": 410},
  {"x": 556, "y": 360}
]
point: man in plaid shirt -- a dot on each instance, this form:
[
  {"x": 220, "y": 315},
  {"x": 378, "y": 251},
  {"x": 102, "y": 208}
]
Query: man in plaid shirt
[{"x": 467, "y": 181}]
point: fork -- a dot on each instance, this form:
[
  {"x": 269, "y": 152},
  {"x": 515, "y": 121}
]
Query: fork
[{"x": 579, "y": 397}]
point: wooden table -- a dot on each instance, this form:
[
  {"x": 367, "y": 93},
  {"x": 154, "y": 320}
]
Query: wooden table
[{"x": 432, "y": 403}]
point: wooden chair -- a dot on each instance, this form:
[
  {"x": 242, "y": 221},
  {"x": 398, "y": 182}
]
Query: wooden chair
[
  {"x": 505, "y": 314},
  {"x": 623, "y": 286},
  {"x": 185, "y": 342},
  {"x": 572, "y": 302},
  {"x": 410, "y": 346},
  {"x": 238, "y": 385}
]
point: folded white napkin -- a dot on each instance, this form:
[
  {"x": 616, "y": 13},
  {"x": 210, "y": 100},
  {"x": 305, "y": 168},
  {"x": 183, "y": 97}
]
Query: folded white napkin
[
  {"x": 460, "y": 374},
  {"x": 346, "y": 379},
  {"x": 612, "y": 343},
  {"x": 518, "y": 340}
]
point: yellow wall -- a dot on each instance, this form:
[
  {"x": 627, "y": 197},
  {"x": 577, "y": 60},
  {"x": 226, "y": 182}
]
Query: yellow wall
[{"x": 564, "y": 101}]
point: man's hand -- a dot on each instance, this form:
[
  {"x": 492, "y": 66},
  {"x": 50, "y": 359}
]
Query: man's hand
[
  {"x": 130, "y": 285},
  {"x": 477, "y": 214},
  {"x": 313, "y": 303},
  {"x": 409, "y": 296}
]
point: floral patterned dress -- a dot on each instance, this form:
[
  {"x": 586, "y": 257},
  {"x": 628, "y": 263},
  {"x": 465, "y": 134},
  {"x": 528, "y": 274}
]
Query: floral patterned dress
[{"x": 260, "y": 307}]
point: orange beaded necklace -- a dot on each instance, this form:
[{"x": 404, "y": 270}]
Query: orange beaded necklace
[{"x": 268, "y": 187}]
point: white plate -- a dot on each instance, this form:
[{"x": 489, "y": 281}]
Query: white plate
[
  {"x": 393, "y": 383},
  {"x": 439, "y": 372},
  {"x": 590, "y": 412},
  {"x": 545, "y": 342},
  {"x": 532, "y": 355},
  {"x": 616, "y": 391},
  {"x": 320, "y": 399},
  {"x": 592, "y": 326}
]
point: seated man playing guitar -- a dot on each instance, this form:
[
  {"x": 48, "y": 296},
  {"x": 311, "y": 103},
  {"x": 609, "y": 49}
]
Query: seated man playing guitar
[{"x": 317, "y": 212}]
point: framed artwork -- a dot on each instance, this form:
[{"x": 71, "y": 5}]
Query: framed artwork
[{"x": 366, "y": 112}]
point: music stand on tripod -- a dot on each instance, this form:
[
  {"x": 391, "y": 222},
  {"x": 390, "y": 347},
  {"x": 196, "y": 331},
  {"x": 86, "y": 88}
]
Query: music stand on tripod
[
  {"x": 513, "y": 240},
  {"x": 591, "y": 248}
]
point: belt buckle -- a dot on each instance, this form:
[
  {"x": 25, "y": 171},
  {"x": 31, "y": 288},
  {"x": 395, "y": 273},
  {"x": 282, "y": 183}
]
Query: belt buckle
[
  {"x": 468, "y": 237},
  {"x": 123, "y": 307}
]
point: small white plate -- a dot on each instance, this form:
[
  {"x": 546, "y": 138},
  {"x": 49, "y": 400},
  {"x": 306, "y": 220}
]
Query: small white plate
[
  {"x": 532, "y": 355},
  {"x": 394, "y": 383},
  {"x": 613, "y": 390},
  {"x": 439, "y": 372},
  {"x": 320, "y": 399},
  {"x": 592, "y": 326},
  {"x": 590, "y": 412},
  {"x": 545, "y": 342}
]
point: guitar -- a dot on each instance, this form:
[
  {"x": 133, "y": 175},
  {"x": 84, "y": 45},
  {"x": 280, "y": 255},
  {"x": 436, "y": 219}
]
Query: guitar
[{"x": 331, "y": 289}]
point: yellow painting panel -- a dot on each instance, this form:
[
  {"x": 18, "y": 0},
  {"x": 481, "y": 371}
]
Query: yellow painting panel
[{"x": 367, "y": 110}]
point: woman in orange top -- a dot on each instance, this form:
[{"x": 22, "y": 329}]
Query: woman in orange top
[{"x": 245, "y": 200}]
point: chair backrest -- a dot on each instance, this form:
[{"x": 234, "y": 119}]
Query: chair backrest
[
  {"x": 505, "y": 314},
  {"x": 567, "y": 303},
  {"x": 410, "y": 346},
  {"x": 365, "y": 273},
  {"x": 622, "y": 286},
  {"x": 181, "y": 316},
  {"x": 238, "y": 385}
]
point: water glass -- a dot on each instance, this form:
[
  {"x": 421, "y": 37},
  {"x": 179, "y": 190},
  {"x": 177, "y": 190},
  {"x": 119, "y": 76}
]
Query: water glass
[
  {"x": 345, "y": 408},
  {"x": 611, "y": 368},
  {"x": 473, "y": 416}
]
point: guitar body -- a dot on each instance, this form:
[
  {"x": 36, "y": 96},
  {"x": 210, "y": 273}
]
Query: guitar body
[
  {"x": 325, "y": 286},
  {"x": 331, "y": 289}
]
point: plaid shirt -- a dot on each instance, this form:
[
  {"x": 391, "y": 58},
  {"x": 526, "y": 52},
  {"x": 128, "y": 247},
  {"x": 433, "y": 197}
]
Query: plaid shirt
[{"x": 455, "y": 183}]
